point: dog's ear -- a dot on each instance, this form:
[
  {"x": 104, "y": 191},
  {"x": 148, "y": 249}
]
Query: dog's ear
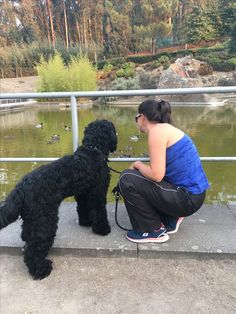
[
  {"x": 113, "y": 143},
  {"x": 108, "y": 131}
]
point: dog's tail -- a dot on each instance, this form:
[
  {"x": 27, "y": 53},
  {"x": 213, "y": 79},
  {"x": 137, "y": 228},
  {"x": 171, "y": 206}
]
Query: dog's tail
[{"x": 10, "y": 208}]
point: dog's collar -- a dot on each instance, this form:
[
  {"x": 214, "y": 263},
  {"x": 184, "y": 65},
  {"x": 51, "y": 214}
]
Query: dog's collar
[
  {"x": 93, "y": 147},
  {"x": 105, "y": 158}
]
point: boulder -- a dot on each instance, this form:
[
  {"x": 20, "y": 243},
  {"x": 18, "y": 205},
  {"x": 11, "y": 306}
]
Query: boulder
[{"x": 184, "y": 73}]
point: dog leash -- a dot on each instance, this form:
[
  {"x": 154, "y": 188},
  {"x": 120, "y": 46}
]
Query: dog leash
[
  {"x": 114, "y": 170},
  {"x": 116, "y": 193}
]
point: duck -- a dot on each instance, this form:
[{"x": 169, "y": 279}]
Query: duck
[
  {"x": 67, "y": 128},
  {"x": 50, "y": 142},
  {"x": 39, "y": 125},
  {"x": 55, "y": 137},
  {"x": 144, "y": 155},
  {"x": 134, "y": 138},
  {"x": 128, "y": 148}
]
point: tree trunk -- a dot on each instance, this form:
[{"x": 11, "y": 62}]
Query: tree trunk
[
  {"x": 89, "y": 29},
  {"x": 66, "y": 26},
  {"x": 47, "y": 27},
  {"x": 153, "y": 46},
  {"x": 78, "y": 31},
  {"x": 51, "y": 23},
  {"x": 85, "y": 32}
]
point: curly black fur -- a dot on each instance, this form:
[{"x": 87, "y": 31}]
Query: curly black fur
[{"x": 37, "y": 196}]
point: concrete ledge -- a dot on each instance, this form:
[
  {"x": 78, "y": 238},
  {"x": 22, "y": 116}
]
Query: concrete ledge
[{"x": 210, "y": 232}]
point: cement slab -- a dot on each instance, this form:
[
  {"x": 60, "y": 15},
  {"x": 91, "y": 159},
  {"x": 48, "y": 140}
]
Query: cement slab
[{"x": 211, "y": 230}]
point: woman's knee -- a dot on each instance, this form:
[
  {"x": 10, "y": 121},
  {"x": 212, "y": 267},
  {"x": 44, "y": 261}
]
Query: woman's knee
[{"x": 125, "y": 180}]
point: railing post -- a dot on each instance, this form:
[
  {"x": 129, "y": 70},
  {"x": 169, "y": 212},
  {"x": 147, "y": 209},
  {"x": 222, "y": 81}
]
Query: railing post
[{"x": 75, "y": 128}]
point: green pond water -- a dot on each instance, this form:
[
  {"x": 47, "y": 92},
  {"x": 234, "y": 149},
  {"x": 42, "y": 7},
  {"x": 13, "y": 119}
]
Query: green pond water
[{"x": 213, "y": 130}]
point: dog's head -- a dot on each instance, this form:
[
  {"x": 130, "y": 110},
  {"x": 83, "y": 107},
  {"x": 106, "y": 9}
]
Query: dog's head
[{"x": 101, "y": 134}]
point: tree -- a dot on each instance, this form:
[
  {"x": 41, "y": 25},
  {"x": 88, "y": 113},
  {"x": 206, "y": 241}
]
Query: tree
[
  {"x": 27, "y": 25},
  {"x": 232, "y": 44},
  {"x": 153, "y": 20},
  {"x": 105, "y": 28},
  {"x": 199, "y": 27},
  {"x": 8, "y": 27},
  {"x": 227, "y": 13}
]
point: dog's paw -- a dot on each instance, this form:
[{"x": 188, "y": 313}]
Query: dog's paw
[
  {"x": 104, "y": 230},
  {"x": 85, "y": 223},
  {"x": 43, "y": 270}
]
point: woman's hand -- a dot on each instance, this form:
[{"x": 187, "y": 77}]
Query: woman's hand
[{"x": 135, "y": 165}]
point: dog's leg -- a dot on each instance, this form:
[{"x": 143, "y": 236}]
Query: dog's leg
[
  {"x": 84, "y": 210},
  {"x": 39, "y": 237},
  {"x": 100, "y": 224},
  {"x": 92, "y": 211}
]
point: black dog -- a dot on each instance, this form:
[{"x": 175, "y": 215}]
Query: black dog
[{"x": 36, "y": 198}]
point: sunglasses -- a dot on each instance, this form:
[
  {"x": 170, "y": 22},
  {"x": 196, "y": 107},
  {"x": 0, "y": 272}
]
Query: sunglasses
[{"x": 137, "y": 116}]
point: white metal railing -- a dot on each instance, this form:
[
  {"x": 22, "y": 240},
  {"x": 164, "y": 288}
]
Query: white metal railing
[{"x": 74, "y": 117}]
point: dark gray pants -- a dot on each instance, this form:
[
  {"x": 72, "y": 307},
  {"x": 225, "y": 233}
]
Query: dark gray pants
[{"x": 148, "y": 201}]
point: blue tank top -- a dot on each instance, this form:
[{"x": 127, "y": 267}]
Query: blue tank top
[{"x": 184, "y": 168}]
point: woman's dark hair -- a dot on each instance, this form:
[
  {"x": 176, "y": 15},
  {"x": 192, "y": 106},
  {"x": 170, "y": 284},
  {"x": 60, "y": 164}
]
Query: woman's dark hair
[{"x": 156, "y": 111}]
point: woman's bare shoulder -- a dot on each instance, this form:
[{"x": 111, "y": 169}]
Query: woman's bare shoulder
[
  {"x": 166, "y": 128},
  {"x": 170, "y": 132}
]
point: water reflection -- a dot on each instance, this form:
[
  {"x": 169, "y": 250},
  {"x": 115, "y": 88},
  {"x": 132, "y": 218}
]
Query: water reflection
[{"x": 212, "y": 128}]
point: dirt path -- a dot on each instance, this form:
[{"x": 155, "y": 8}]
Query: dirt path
[{"x": 19, "y": 84}]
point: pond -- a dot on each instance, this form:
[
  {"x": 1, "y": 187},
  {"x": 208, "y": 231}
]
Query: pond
[{"x": 213, "y": 130}]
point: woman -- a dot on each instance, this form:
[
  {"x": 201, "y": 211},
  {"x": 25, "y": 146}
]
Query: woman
[{"x": 157, "y": 196}]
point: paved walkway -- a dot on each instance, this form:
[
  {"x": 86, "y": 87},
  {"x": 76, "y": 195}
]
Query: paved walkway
[
  {"x": 86, "y": 285},
  {"x": 212, "y": 230},
  {"x": 191, "y": 273}
]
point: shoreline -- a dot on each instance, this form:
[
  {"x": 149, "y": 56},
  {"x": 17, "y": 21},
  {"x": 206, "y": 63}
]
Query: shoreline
[{"x": 17, "y": 106}]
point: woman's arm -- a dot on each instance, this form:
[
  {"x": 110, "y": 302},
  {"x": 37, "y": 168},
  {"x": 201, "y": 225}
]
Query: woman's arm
[{"x": 157, "y": 143}]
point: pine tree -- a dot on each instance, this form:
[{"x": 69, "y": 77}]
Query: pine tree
[{"x": 199, "y": 27}]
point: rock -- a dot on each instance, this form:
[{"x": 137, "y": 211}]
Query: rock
[{"x": 184, "y": 73}]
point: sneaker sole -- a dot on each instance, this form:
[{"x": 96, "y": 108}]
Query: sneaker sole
[
  {"x": 177, "y": 226},
  {"x": 162, "y": 239}
]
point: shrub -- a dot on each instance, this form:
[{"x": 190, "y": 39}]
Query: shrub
[
  {"x": 147, "y": 81},
  {"x": 55, "y": 76},
  {"x": 128, "y": 70},
  {"x": 100, "y": 64},
  {"x": 221, "y": 66},
  {"x": 227, "y": 82},
  {"x": 117, "y": 62},
  {"x": 52, "y": 74},
  {"x": 140, "y": 59},
  {"x": 183, "y": 53},
  {"x": 108, "y": 67},
  {"x": 81, "y": 74},
  {"x": 232, "y": 61},
  {"x": 205, "y": 69},
  {"x": 163, "y": 61},
  {"x": 121, "y": 83},
  {"x": 150, "y": 66},
  {"x": 215, "y": 63}
]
